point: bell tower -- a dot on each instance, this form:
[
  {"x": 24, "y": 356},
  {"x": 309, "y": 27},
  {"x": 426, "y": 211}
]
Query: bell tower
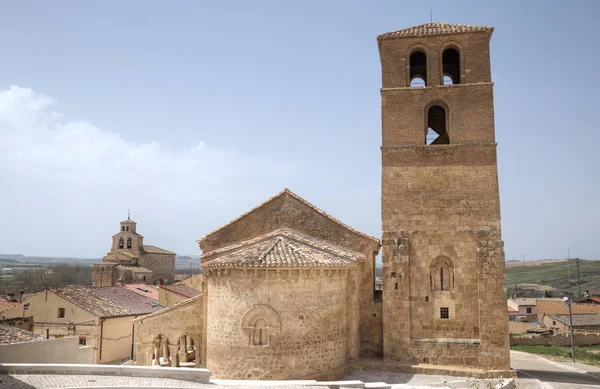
[{"x": 444, "y": 288}]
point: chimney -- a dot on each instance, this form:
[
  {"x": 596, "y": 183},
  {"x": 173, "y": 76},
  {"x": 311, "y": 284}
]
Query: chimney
[{"x": 21, "y": 296}]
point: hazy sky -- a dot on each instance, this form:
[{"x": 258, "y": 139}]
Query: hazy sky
[{"x": 190, "y": 113}]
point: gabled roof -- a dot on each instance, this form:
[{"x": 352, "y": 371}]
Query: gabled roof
[
  {"x": 165, "y": 310},
  {"x": 108, "y": 301},
  {"x": 145, "y": 290},
  {"x": 156, "y": 250},
  {"x": 183, "y": 290},
  {"x": 284, "y": 248},
  {"x": 5, "y": 304},
  {"x": 288, "y": 192},
  {"x": 436, "y": 28},
  {"x": 579, "y": 320},
  {"x": 11, "y": 335}
]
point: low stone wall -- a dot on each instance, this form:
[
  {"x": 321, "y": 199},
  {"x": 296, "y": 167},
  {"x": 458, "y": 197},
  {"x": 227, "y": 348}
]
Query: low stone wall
[
  {"x": 561, "y": 339},
  {"x": 59, "y": 350},
  {"x": 177, "y": 373}
]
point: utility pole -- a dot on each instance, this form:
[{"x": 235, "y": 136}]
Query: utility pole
[
  {"x": 578, "y": 279},
  {"x": 568, "y": 302}
]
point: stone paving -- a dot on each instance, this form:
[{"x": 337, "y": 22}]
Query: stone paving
[{"x": 43, "y": 381}]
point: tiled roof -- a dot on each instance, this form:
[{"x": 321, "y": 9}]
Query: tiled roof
[
  {"x": 183, "y": 290},
  {"x": 592, "y": 298},
  {"x": 135, "y": 268},
  {"x": 144, "y": 290},
  {"x": 5, "y": 305},
  {"x": 579, "y": 320},
  {"x": 156, "y": 250},
  {"x": 436, "y": 28},
  {"x": 10, "y": 335},
  {"x": 108, "y": 301},
  {"x": 524, "y": 301},
  {"x": 288, "y": 192},
  {"x": 511, "y": 309},
  {"x": 285, "y": 248},
  {"x": 129, "y": 221}
]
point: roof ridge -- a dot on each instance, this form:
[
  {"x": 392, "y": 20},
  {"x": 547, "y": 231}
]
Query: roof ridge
[
  {"x": 167, "y": 309},
  {"x": 297, "y": 197},
  {"x": 263, "y": 256},
  {"x": 441, "y": 28}
]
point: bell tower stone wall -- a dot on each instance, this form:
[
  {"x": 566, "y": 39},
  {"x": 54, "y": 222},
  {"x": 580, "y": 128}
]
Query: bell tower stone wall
[{"x": 444, "y": 287}]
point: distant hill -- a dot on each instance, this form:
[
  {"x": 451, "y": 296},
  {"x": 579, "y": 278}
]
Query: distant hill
[{"x": 554, "y": 276}]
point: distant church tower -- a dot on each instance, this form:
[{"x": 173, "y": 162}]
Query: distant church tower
[{"x": 444, "y": 289}]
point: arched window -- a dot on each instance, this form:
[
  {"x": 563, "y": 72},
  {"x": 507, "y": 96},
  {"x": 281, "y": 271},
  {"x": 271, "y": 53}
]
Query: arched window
[
  {"x": 418, "y": 69},
  {"x": 123, "y": 228},
  {"x": 451, "y": 66},
  {"x": 260, "y": 336},
  {"x": 262, "y": 325},
  {"x": 436, "y": 127},
  {"x": 441, "y": 274},
  {"x": 128, "y": 243},
  {"x": 127, "y": 228},
  {"x": 121, "y": 243}
]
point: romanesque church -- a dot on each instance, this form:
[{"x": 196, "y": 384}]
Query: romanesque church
[{"x": 288, "y": 290}]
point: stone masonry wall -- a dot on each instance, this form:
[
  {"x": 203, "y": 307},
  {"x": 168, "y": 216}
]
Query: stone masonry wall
[
  {"x": 162, "y": 265},
  {"x": 172, "y": 323},
  {"x": 305, "y": 310},
  {"x": 441, "y": 203}
]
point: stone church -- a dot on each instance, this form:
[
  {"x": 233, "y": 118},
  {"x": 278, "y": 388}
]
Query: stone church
[
  {"x": 131, "y": 261},
  {"x": 288, "y": 291}
]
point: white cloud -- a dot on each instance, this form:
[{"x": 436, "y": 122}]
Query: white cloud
[{"x": 73, "y": 164}]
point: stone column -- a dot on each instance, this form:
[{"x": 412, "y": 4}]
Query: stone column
[{"x": 174, "y": 355}]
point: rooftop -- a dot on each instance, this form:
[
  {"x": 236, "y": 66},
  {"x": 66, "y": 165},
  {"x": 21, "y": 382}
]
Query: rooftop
[
  {"x": 579, "y": 320},
  {"x": 10, "y": 335},
  {"x": 6, "y": 304},
  {"x": 288, "y": 192},
  {"x": 181, "y": 289},
  {"x": 524, "y": 301},
  {"x": 284, "y": 248},
  {"x": 144, "y": 290},
  {"x": 156, "y": 250},
  {"x": 436, "y": 28},
  {"x": 108, "y": 301}
]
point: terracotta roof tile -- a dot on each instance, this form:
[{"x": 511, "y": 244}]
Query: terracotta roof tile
[
  {"x": 144, "y": 290},
  {"x": 286, "y": 191},
  {"x": 5, "y": 305},
  {"x": 285, "y": 248},
  {"x": 156, "y": 250},
  {"x": 108, "y": 301},
  {"x": 183, "y": 290},
  {"x": 10, "y": 335},
  {"x": 579, "y": 320},
  {"x": 436, "y": 28}
]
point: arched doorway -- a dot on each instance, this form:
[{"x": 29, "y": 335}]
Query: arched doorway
[
  {"x": 187, "y": 352},
  {"x": 161, "y": 356}
]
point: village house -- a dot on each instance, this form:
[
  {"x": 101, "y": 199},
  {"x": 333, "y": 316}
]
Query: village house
[
  {"x": 582, "y": 322},
  {"x": 21, "y": 346},
  {"x": 99, "y": 316},
  {"x": 169, "y": 295},
  {"x": 522, "y": 310},
  {"x": 558, "y": 307}
]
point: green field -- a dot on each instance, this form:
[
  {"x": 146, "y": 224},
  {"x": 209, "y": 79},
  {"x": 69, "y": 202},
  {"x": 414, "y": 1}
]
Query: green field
[
  {"x": 556, "y": 275},
  {"x": 583, "y": 354}
]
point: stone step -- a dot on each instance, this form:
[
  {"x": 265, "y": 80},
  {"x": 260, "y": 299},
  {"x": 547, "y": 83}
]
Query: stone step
[{"x": 377, "y": 385}]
